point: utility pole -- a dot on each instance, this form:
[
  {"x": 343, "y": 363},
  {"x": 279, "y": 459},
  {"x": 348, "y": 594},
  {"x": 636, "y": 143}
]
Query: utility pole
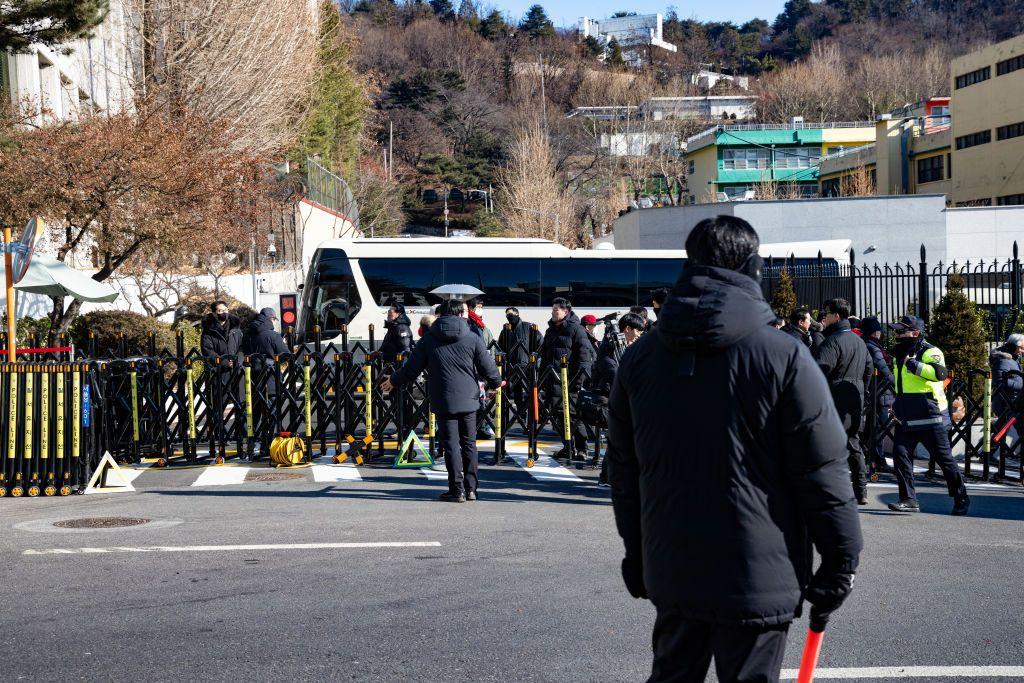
[
  {"x": 252, "y": 266},
  {"x": 391, "y": 149},
  {"x": 543, "y": 94},
  {"x": 445, "y": 210}
]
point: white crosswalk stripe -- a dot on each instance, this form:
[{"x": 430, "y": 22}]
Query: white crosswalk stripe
[{"x": 222, "y": 476}]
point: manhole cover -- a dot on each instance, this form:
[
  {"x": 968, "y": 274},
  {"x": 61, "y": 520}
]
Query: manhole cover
[
  {"x": 100, "y": 522},
  {"x": 274, "y": 476}
]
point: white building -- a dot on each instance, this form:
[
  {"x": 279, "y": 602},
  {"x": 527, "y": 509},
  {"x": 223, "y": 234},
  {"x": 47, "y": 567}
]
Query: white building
[
  {"x": 93, "y": 77},
  {"x": 703, "y": 107},
  {"x": 631, "y": 33},
  {"x": 705, "y": 78}
]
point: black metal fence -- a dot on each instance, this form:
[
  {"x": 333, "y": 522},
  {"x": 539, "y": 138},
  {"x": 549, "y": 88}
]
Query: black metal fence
[
  {"x": 181, "y": 407},
  {"x": 889, "y": 291}
]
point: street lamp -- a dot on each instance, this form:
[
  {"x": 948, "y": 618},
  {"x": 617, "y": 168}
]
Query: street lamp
[{"x": 546, "y": 214}]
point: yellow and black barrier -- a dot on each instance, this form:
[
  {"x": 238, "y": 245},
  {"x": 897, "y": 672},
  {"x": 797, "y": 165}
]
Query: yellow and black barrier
[{"x": 45, "y": 442}]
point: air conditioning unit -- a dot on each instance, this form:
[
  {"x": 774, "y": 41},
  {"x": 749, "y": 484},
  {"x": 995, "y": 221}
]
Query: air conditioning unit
[{"x": 797, "y": 122}]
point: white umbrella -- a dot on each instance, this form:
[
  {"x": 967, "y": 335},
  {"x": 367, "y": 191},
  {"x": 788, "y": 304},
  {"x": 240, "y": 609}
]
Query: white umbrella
[
  {"x": 50, "y": 277},
  {"x": 457, "y": 292}
]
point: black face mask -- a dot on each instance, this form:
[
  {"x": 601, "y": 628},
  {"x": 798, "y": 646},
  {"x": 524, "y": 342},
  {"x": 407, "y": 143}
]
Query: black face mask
[
  {"x": 512, "y": 319},
  {"x": 222, "y": 316},
  {"x": 903, "y": 346}
]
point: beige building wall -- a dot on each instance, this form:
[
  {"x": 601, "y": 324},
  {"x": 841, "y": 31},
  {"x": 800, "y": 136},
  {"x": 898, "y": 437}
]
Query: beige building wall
[
  {"x": 985, "y": 172},
  {"x": 701, "y": 182}
]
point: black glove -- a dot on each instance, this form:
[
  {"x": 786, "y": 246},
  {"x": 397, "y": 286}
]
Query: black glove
[
  {"x": 826, "y": 592},
  {"x": 633, "y": 576}
]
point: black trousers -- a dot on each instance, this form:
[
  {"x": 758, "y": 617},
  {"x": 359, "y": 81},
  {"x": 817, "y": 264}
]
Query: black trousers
[
  {"x": 683, "y": 649},
  {"x": 458, "y": 441},
  {"x": 855, "y": 454},
  {"x": 935, "y": 439}
]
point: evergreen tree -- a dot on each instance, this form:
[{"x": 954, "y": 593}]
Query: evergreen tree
[
  {"x": 335, "y": 119},
  {"x": 614, "y": 58},
  {"x": 50, "y": 22},
  {"x": 468, "y": 13},
  {"x": 536, "y": 23},
  {"x": 784, "y": 297},
  {"x": 958, "y": 329},
  {"x": 592, "y": 46},
  {"x": 443, "y": 9},
  {"x": 494, "y": 26}
]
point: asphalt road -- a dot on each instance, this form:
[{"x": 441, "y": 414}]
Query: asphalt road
[{"x": 523, "y": 585}]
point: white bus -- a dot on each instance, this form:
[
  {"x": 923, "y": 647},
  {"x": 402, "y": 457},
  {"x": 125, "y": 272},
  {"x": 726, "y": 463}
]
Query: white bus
[{"x": 355, "y": 281}]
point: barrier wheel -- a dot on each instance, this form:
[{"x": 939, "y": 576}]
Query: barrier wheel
[
  {"x": 219, "y": 460},
  {"x": 3, "y": 491},
  {"x": 160, "y": 462},
  {"x": 50, "y": 490},
  {"x": 529, "y": 462},
  {"x": 874, "y": 476},
  {"x": 17, "y": 492},
  {"x": 65, "y": 490},
  {"x": 33, "y": 491}
]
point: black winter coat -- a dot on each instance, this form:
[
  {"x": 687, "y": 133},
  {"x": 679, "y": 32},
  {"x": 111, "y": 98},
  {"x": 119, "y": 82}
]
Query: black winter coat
[
  {"x": 605, "y": 368},
  {"x": 1003, "y": 364},
  {"x": 262, "y": 338},
  {"x": 881, "y": 361},
  {"x": 515, "y": 341},
  {"x": 397, "y": 339},
  {"x": 726, "y": 457},
  {"x": 798, "y": 334},
  {"x": 454, "y": 358},
  {"x": 568, "y": 339},
  {"x": 845, "y": 360},
  {"x": 221, "y": 340}
]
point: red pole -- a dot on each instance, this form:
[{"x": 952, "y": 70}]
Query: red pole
[
  {"x": 1002, "y": 432},
  {"x": 809, "y": 661}
]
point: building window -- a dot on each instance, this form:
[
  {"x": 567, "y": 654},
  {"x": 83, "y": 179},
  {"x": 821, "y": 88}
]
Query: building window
[
  {"x": 690, "y": 167},
  {"x": 1008, "y": 65},
  {"x": 949, "y": 164},
  {"x": 976, "y": 76},
  {"x": 1014, "y": 130},
  {"x": 974, "y": 139},
  {"x": 745, "y": 159},
  {"x": 930, "y": 170},
  {"x": 797, "y": 157},
  {"x": 1010, "y": 200},
  {"x": 831, "y": 187}
]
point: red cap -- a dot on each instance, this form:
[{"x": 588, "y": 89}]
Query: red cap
[{"x": 588, "y": 320}]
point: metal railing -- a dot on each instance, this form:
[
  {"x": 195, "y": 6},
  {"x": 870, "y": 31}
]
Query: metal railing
[
  {"x": 807, "y": 125},
  {"x": 328, "y": 189}
]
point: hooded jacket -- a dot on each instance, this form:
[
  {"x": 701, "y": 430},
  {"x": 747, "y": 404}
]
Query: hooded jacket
[
  {"x": 516, "y": 341},
  {"x": 397, "y": 339},
  {"x": 880, "y": 360},
  {"x": 262, "y": 338},
  {"x": 454, "y": 357},
  {"x": 798, "y": 334},
  {"x": 726, "y": 458},
  {"x": 568, "y": 339},
  {"x": 1006, "y": 382},
  {"x": 221, "y": 340},
  {"x": 846, "y": 363}
]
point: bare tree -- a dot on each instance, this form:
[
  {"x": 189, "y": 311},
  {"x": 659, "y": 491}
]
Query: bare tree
[{"x": 248, "y": 63}]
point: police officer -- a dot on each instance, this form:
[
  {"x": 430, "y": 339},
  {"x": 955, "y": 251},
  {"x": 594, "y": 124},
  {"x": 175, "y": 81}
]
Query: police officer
[
  {"x": 921, "y": 414},
  {"x": 847, "y": 366},
  {"x": 871, "y": 333},
  {"x": 566, "y": 338}
]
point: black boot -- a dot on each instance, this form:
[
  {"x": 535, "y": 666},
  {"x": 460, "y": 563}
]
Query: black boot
[
  {"x": 452, "y": 497},
  {"x": 908, "y": 505},
  {"x": 961, "y": 504}
]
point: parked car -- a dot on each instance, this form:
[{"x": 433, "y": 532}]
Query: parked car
[
  {"x": 477, "y": 195},
  {"x": 430, "y": 196}
]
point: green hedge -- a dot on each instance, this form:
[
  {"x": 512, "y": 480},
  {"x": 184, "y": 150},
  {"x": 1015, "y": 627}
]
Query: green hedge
[{"x": 109, "y": 327}]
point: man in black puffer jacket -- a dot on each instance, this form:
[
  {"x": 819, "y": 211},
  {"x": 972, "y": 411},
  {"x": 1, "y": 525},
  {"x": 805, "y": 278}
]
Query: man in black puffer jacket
[
  {"x": 726, "y": 460},
  {"x": 261, "y": 337},
  {"x": 454, "y": 357},
  {"x": 222, "y": 332},
  {"x": 566, "y": 338},
  {"x": 845, "y": 360},
  {"x": 398, "y": 338}
]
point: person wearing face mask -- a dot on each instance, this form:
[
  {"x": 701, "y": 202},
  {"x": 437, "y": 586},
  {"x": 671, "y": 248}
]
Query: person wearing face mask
[
  {"x": 1006, "y": 382},
  {"x": 518, "y": 339},
  {"x": 476, "y": 321},
  {"x": 222, "y": 332},
  {"x": 261, "y": 337},
  {"x": 921, "y": 413},
  {"x": 566, "y": 338},
  {"x": 398, "y": 338}
]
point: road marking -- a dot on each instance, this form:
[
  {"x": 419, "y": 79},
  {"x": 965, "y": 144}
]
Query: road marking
[
  {"x": 215, "y": 548},
  {"x": 888, "y": 672},
  {"x": 131, "y": 474},
  {"x": 434, "y": 475},
  {"x": 545, "y": 468},
  {"x": 344, "y": 472},
  {"x": 222, "y": 476}
]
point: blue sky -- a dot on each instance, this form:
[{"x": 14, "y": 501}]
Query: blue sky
[{"x": 568, "y": 12}]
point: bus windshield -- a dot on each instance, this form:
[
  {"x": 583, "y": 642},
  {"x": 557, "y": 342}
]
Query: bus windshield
[{"x": 331, "y": 298}]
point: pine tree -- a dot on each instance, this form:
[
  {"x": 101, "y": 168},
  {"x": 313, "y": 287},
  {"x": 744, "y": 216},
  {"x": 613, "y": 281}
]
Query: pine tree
[
  {"x": 468, "y": 12},
  {"x": 50, "y": 22},
  {"x": 784, "y": 297},
  {"x": 614, "y": 57},
  {"x": 958, "y": 329},
  {"x": 443, "y": 9},
  {"x": 536, "y": 23}
]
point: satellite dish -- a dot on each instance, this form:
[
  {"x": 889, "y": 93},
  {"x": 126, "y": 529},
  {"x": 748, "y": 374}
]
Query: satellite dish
[{"x": 22, "y": 256}]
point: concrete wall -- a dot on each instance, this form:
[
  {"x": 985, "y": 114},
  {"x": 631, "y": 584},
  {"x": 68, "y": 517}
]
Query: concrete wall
[
  {"x": 983, "y": 232},
  {"x": 317, "y": 224},
  {"x": 895, "y": 226}
]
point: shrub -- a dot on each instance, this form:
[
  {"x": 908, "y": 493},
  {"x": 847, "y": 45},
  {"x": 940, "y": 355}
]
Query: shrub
[
  {"x": 109, "y": 327},
  {"x": 958, "y": 329},
  {"x": 784, "y": 297}
]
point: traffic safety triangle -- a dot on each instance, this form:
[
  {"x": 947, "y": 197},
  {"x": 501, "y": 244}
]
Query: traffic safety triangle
[
  {"x": 108, "y": 478},
  {"x": 404, "y": 452}
]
